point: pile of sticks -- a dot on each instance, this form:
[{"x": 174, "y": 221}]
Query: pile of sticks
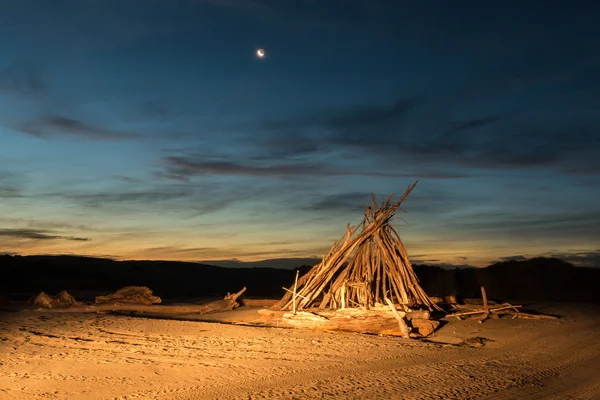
[
  {"x": 364, "y": 267},
  {"x": 496, "y": 311}
]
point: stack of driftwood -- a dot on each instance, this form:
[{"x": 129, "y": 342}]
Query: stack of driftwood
[
  {"x": 489, "y": 309},
  {"x": 366, "y": 281},
  {"x": 364, "y": 267}
]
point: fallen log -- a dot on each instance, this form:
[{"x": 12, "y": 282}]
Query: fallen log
[
  {"x": 349, "y": 320},
  {"x": 230, "y": 302}
]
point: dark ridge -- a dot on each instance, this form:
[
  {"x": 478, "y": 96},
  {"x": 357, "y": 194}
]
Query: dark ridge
[{"x": 535, "y": 279}]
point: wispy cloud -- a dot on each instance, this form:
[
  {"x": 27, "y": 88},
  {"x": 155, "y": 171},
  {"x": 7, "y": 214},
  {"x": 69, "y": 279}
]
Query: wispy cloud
[
  {"x": 581, "y": 258},
  {"x": 570, "y": 224},
  {"x": 10, "y": 185},
  {"x": 37, "y": 235},
  {"x": 519, "y": 257},
  {"x": 404, "y": 133},
  {"x": 52, "y": 126},
  {"x": 181, "y": 168},
  {"x": 350, "y": 118}
]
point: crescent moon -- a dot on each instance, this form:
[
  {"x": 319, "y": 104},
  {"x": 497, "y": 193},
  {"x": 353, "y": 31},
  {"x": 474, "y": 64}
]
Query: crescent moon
[{"x": 260, "y": 53}]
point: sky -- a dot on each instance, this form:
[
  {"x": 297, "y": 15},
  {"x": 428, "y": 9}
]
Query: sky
[{"x": 151, "y": 130}]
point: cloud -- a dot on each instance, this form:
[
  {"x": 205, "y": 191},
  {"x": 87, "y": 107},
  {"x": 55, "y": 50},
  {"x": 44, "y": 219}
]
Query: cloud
[
  {"x": 129, "y": 197},
  {"x": 349, "y": 118},
  {"x": 514, "y": 258},
  {"x": 184, "y": 199},
  {"x": 283, "y": 263},
  {"x": 182, "y": 168},
  {"x": 571, "y": 224},
  {"x": 190, "y": 167},
  {"x": 34, "y": 234},
  {"x": 58, "y": 126},
  {"x": 347, "y": 202},
  {"x": 411, "y": 132},
  {"x": 579, "y": 258},
  {"x": 228, "y": 255},
  {"x": 9, "y": 192},
  {"x": 587, "y": 258},
  {"x": 10, "y": 186},
  {"x": 343, "y": 202}
]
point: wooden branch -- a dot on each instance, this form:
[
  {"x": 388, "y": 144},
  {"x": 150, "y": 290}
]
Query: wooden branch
[
  {"x": 486, "y": 309},
  {"x": 491, "y": 310},
  {"x": 401, "y": 323},
  {"x": 295, "y": 287},
  {"x": 234, "y": 296},
  {"x": 297, "y": 295}
]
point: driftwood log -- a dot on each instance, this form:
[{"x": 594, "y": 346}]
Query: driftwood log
[
  {"x": 130, "y": 294},
  {"x": 230, "y": 302},
  {"x": 352, "y": 320},
  {"x": 61, "y": 300}
]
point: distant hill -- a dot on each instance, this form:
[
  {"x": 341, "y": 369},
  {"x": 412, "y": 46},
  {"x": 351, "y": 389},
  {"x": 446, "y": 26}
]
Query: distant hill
[
  {"x": 532, "y": 279},
  {"x": 285, "y": 263}
]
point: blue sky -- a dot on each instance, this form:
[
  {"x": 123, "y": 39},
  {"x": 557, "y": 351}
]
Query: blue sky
[{"x": 151, "y": 130}]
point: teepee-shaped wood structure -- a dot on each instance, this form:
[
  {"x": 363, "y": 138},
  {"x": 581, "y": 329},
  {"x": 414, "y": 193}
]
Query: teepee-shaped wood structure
[{"x": 362, "y": 268}]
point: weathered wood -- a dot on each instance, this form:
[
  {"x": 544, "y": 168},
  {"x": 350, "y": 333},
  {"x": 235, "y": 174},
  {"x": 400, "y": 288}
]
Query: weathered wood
[
  {"x": 401, "y": 323},
  {"x": 493, "y": 310},
  {"x": 424, "y": 327},
  {"x": 502, "y": 309},
  {"x": 295, "y": 295},
  {"x": 42, "y": 300},
  {"x": 230, "y": 302},
  {"x": 130, "y": 294},
  {"x": 235, "y": 296},
  {"x": 61, "y": 300},
  {"x": 486, "y": 309}
]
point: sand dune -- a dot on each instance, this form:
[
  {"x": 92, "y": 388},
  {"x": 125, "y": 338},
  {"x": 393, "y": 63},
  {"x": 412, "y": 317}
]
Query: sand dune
[{"x": 96, "y": 356}]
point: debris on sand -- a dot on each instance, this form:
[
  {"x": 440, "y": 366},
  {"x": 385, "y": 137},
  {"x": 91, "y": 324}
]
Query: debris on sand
[
  {"x": 130, "y": 295},
  {"x": 495, "y": 311},
  {"x": 230, "y": 302},
  {"x": 61, "y": 300}
]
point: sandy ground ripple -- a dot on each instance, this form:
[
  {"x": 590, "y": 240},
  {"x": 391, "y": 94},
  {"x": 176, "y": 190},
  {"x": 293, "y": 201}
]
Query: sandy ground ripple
[{"x": 96, "y": 356}]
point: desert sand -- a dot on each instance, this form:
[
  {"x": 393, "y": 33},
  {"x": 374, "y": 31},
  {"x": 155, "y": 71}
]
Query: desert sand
[{"x": 102, "y": 356}]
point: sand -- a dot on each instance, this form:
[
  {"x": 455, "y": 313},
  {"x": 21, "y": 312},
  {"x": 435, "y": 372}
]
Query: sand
[{"x": 100, "y": 356}]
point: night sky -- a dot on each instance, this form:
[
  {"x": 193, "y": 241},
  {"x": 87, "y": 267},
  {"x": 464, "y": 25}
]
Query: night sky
[{"x": 150, "y": 129}]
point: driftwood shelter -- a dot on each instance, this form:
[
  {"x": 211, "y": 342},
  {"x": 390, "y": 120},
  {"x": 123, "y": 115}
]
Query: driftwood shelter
[{"x": 368, "y": 265}]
